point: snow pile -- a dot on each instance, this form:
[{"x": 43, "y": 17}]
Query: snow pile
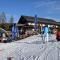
[{"x": 31, "y": 48}]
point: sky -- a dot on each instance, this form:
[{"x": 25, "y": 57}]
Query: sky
[{"x": 42, "y": 8}]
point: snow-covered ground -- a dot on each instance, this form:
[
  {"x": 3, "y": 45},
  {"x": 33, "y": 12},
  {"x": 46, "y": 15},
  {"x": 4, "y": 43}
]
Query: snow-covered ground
[{"x": 31, "y": 48}]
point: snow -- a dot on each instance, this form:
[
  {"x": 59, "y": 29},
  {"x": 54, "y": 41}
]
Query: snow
[{"x": 31, "y": 48}]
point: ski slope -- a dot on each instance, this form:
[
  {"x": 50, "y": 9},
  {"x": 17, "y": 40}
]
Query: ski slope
[{"x": 31, "y": 48}]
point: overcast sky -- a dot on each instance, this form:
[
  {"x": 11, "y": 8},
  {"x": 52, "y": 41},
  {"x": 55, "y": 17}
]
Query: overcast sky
[{"x": 43, "y": 8}]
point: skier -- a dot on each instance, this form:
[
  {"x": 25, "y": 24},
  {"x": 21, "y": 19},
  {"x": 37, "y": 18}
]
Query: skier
[{"x": 45, "y": 33}]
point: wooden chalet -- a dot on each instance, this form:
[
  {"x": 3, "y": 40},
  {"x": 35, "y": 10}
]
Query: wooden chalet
[{"x": 27, "y": 23}]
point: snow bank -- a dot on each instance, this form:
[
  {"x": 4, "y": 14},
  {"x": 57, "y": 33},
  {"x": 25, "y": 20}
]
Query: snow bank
[{"x": 31, "y": 48}]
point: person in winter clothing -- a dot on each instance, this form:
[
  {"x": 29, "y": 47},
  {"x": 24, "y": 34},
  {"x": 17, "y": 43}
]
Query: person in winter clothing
[
  {"x": 45, "y": 35},
  {"x": 58, "y": 35}
]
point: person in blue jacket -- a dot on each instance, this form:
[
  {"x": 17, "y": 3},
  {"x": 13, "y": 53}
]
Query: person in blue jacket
[
  {"x": 45, "y": 33},
  {"x": 14, "y": 31}
]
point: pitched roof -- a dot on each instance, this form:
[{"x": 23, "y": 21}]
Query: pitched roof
[{"x": 40, "y": 20}]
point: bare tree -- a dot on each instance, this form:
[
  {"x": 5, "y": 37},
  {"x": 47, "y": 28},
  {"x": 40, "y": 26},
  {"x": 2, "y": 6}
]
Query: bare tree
[
  {"x": 11, "y": 19},
  {"x": 0, "y": 19},
  {"x": 3, "y": 17}
]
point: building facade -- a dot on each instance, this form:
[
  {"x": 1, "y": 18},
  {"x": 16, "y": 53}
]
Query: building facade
[{"x": 27, "y": 23}]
